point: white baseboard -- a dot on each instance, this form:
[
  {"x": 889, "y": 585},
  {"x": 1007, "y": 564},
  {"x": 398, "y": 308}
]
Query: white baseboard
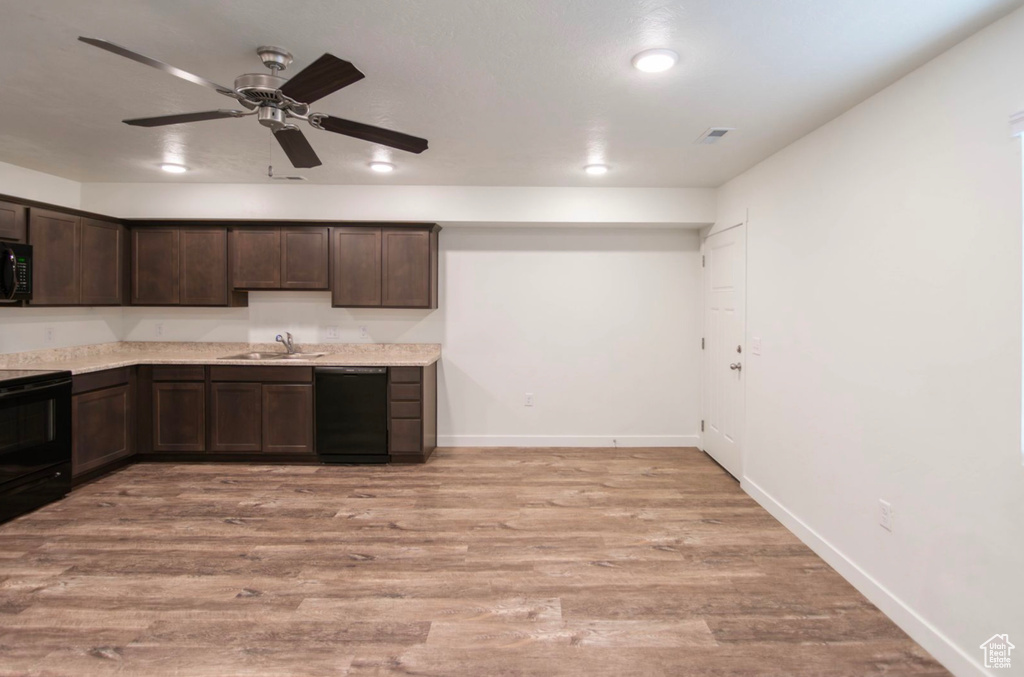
[
  {"x": 568, "y": 440},
  {"x": 920, "y": 630}
]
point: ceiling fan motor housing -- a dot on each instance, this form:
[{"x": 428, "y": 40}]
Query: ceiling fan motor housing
[{"x": 275, "y": 58}]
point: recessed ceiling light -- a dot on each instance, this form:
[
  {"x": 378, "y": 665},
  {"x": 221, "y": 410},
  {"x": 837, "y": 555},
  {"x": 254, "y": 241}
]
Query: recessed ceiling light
[
  {"x": 655, "y": 60},
  {"x": 382, "y": 167},
  {"x": 596, "y": 170},
  {"x": 173, "y": 168}
]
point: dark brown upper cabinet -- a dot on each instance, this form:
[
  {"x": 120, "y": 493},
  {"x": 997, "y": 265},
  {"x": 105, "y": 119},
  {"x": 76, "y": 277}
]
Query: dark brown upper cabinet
[
  {"x": 103, "y": 252},
  {"x": 392, "y": 267},
  {"x": 255, "y": 258},
  {"x": 355, "y": 267},
  {"x": 155, "y": 266},
  {"x": 279, "y": 258},
  {"x": 56, "y": 253},
  {"x": 181, "y": 266},
  {"x": 203, "y": 267},
  {"x": 13, "y": 222},
  {"x": 409, "y": 269},
  {"x": 304, "y": 258},
  {"x": 76, "y": 260}
]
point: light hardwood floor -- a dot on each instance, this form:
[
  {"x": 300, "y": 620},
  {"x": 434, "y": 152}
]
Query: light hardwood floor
[{"x": 483, "y": 562}]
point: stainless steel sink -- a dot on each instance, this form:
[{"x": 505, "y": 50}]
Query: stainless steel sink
[{"x": 256, "y": 357}]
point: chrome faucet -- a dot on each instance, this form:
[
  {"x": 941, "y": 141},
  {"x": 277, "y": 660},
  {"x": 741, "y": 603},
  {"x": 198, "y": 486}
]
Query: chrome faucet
[{"x": 288, "y": 343}]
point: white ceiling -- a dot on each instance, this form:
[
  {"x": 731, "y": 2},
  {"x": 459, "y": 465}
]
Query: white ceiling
[{"x": 509, "y": 92}]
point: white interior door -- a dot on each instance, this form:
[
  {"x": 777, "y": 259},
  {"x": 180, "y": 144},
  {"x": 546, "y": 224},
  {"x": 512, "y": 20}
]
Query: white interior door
[{"x": 725, "y": 266}]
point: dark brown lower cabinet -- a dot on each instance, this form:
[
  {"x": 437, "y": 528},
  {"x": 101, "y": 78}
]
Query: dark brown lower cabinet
[
  {"x": 235, "y": 417},
  {"x": 102, "y": 420},
  {"x": 261, "y": 409},
  {"x": 288, "y": 418},
  {"x": 179, "y": 416},
  {"x": 412, "y": 413}
]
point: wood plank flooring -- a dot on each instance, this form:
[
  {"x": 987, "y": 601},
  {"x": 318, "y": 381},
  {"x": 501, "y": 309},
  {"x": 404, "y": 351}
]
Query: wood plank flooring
[{"x": 483, "y": 562}]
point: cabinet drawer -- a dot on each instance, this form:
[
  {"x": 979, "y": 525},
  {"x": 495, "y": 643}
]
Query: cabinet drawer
[
  {"x": 83, "y": 383},
  {"x": 189, "y": 372},
  {"x": 406, "y": 436},
  {"x": 262, "y": 374},
  {"x": 405, "y": 374},
  {"x": 405, "y": 410},
  {"x": 404, "y": 391}
]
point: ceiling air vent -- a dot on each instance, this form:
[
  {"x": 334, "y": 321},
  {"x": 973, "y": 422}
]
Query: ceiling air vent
[
  {"x": 712, "y": 135},
  {"x": 288, "y": 178}
]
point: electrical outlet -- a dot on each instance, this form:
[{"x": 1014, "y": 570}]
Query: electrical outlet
[
  {"x": 333, "y": 333},
  {"x": 529, "y": 400},
  {"x": 363, "y": 333},
  {"x": 48, "y": 335},
  {"x": 885, "y": 515},
  {"x": 158, "y": 329}
]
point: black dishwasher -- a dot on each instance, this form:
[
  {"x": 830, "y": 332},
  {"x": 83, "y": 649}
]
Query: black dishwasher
[{"x": 352, "y": 414}]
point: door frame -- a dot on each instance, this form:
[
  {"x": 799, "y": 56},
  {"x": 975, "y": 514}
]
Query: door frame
[{"x": 715, "y": 229}]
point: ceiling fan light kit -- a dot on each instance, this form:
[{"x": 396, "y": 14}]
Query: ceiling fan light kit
[{"x": 278, "y": 102}]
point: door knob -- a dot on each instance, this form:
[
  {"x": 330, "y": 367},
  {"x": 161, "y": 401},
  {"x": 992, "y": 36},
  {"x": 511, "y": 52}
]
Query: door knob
[{"x": 735, "y": 366}]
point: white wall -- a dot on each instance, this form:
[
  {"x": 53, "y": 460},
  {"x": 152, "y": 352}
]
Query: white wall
[
  {"x": 33, "y": 185},
  {"x": 601, "y": 325},
  {"x": 884, "y": 279}
]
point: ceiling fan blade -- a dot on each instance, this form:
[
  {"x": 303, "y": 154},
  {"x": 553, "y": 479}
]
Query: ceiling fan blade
[
  {"x": 184, "y": 117},
  {"x": 159, "y": 65},
  {"x": 297, "y": 148},
  {"x": 324, "y": 76},
  {"x": 358, "y": 130}
]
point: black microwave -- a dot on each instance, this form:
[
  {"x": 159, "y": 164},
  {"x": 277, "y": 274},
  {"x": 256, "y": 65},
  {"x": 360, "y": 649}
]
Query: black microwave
[{"x": 15, "y": 271}]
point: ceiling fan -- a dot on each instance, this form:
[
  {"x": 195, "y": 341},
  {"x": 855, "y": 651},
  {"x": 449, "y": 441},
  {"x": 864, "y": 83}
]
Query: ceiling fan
[{"x": 277, "y": 101}]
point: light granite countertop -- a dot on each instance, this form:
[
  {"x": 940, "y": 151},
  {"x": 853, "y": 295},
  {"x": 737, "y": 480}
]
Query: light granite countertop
[{"x": 85, "y": 359}]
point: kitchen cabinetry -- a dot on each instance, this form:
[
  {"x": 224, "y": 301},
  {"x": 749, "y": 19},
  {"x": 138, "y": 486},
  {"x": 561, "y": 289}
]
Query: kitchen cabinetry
[
  {"x": 355, "y": 269},
  {"x": 103, "y": 252},
  {"x": 55, "y": 251},
  {"x": 392, "y": 267},
  {"x": 13, "y": 222},
  {"x": 179, "y": 408},
  {"x": 261, "y": 409},
  {"x": 181, "y": 266},
  {"x": 279, "y": 258},
  {"x": 76, "y": 260},
  {"x": 102, "y": 420},
  {"x": 412, "y": 413},
  {"x": 236, "y": 422}
]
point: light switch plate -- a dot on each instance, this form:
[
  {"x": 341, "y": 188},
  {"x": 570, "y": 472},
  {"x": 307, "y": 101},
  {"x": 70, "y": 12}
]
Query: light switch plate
[{"x": 755, "y": 345}]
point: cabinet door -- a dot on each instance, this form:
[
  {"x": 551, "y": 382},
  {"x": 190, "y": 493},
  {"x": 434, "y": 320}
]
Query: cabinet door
[
  {"x": 256, "y": 258},
  {"x": 304, "y": 254},
  {"x": 101, "y": 425},
  {"x": 179, "y": 416},
  {"x": 55, "y": 266},
  {"x": 12, "y": 222},
  {"x": 356, "y": 269},
  {"x": 236, "y": 423},
  {"x": 407, "y": 268},
  {"x": 288, "y": 418},
  {"x": 101, "y": 260},
  {"x": 155, "y": 266},
  {"x": 204, "y": 267}
]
